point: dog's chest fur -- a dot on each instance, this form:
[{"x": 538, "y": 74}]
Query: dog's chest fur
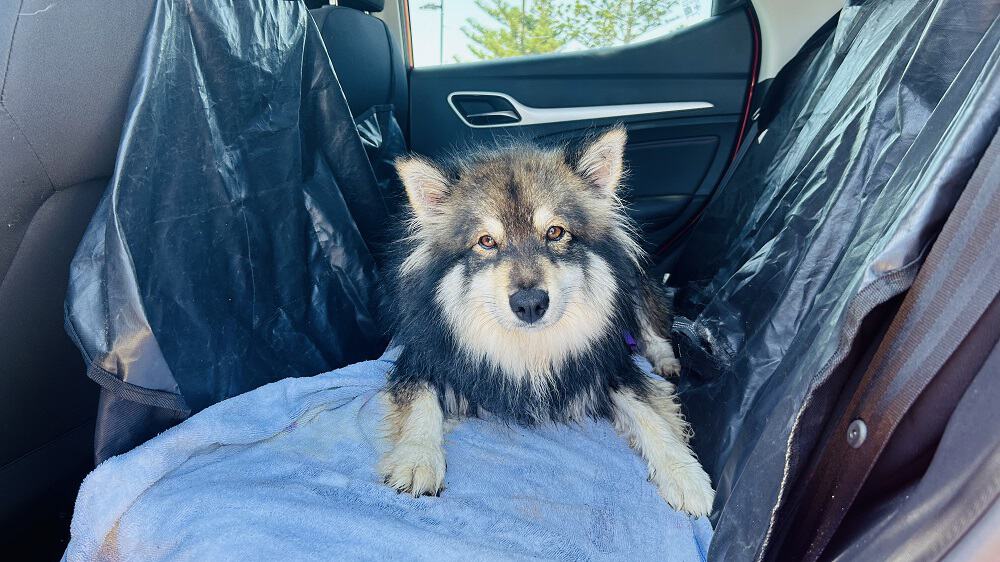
[{"x": 578, "y": 389}]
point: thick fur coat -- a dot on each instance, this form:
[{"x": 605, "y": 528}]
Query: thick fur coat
[{"x": 513, "y": 290}]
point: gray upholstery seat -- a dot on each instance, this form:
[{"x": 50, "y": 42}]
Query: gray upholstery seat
[{"x": 65, "y": 75}]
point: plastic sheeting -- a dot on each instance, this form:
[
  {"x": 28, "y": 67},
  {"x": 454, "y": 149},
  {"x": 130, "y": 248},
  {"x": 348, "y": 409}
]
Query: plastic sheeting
[
  {"x": 229, "y": 249},
  {"x": 384, "y": 142},
  {"x": 827, "y": 216}
]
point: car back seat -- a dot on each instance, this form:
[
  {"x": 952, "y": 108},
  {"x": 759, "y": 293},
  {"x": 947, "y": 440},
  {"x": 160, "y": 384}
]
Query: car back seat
[
  {"x": 61, "y": 113},
  {"x": 64, "y": 87},
  {"x": 796, "y": 266},
  {"x": 369, "y": 65},
  {"x": 372, "y": 74}
]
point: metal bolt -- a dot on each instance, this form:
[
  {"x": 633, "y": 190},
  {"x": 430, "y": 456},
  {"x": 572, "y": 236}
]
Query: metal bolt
[{"x": 857, "y": 432}]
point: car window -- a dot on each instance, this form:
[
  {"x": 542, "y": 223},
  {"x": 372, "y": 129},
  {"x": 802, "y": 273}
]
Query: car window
[{"x": 457, "y": 31}]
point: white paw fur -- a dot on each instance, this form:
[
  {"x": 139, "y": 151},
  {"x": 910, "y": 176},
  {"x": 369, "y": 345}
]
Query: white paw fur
[
  {"x": 416, "y": 469},
  {"x": 655, "y": 428},
  {"x": 685, "y": 487},
  {"x": 661, "y": 355},
  {"x": 415, "y": 427},
  {"x": 656, "y": 349}
]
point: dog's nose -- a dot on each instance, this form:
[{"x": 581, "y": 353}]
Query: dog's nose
[{"x": 529, "y": 304}]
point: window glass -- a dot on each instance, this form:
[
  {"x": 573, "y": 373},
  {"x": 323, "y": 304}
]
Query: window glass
[{"x": 456, "y": 31}]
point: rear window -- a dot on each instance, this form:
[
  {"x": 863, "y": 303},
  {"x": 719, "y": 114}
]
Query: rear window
[{"x": 458, "y": 31}]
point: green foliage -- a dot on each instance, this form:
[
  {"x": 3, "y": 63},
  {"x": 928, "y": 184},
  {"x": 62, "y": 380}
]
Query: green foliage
[
  {"x": 533, "y": 27},
  {"x": 529, "y": 31},
  {"x": 601, "y": 23}
]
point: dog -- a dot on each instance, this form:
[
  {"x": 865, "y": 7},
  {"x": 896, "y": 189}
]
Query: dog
[{"x": 515, "y": 284}]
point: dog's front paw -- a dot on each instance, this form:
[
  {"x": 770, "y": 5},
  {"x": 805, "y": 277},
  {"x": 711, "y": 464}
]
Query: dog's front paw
[
  {"x": 661, "y": 356},
  {"x": 414, "y": 469},
  {"x": 686, "y": 488}
]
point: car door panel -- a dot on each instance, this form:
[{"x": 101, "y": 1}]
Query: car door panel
[{"x": 677, "y": 150}]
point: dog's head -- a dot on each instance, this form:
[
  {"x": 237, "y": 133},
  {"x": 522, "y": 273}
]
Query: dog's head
[{"x": 522, "y": 240}]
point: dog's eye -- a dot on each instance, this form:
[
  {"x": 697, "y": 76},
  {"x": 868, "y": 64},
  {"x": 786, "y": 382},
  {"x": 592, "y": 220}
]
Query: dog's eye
[
  {"x": 487, "y": 242},
  {"x": 555, "y": 233}
]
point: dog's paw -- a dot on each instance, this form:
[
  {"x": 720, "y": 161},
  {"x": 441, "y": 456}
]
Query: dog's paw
[
  {"x": 686, "y": 488},
  {"x": 414, "y": 469},
  {"x": 661, "y": 356},
  {"x": 667, "y": 367}
]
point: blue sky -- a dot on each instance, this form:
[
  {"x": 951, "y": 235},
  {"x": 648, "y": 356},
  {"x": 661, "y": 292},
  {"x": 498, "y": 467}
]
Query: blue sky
[{"x": 425, "y": 25}]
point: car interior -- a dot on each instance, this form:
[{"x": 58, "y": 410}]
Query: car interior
[{"x": 817, "y": 182}]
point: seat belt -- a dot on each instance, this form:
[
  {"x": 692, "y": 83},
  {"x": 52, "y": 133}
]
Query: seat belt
[{"x": 938, "y": 323}]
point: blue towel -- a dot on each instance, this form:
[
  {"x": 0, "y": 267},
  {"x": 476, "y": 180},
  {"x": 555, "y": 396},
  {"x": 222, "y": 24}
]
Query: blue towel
[{"x": 287, "y": 472}]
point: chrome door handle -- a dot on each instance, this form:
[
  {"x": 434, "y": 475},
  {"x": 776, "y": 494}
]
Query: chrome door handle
[
  {"x": 495, "y": 109},
  {"x": 485, "y": 117}
]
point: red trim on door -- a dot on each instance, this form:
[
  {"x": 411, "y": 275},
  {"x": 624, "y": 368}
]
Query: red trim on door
[
  {"x": 755, "y": 28},
  {"x": 754, "y": 70},
  {"x": 409, "y": 36}
]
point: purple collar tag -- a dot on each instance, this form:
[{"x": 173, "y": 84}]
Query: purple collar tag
[{"x": 630, "y": 342}]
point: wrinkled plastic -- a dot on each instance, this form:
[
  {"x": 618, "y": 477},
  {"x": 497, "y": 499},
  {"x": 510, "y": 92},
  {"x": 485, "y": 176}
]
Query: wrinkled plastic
[
  {"x": 229, "y": 249},
  {"x": 827, "y": 216},
  {"x": 384, "y": 142}
]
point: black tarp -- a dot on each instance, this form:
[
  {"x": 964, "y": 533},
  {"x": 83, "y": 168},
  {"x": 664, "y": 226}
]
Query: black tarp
[
  {"x": 827, "y": 216},
  {"x": 384, "y": 142},
  {"x": 234, "y": 245}
]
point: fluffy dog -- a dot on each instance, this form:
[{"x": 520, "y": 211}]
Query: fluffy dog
[{"x": 518, "y": 280}]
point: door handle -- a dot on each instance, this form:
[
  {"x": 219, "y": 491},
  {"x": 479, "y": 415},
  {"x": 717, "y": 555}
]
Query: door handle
[
  {"x": 494, "y": 109},
  {"x": 484, "y": 109},
  {"x": 493, "y": 117}
]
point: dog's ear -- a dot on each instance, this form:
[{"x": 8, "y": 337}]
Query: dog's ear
[
  {"x": 426, "y": 185},
  {"x": 602, "y": 159}
]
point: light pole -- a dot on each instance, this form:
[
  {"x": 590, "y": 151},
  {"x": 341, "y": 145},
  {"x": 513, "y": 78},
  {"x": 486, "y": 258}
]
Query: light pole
[
  {"x": 524, "y": 7},
  {"x": 439, "y": 6}
]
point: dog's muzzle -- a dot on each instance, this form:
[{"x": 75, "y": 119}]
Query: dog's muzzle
[{"x": 529, "y": 304}]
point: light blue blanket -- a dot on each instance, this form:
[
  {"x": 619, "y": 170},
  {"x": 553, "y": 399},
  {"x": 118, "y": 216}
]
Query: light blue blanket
[{"x": 287, "y": 472}]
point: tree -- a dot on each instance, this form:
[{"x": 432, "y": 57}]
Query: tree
[
  {"x": 602, "y": 23},
  {"x": 521, "y": 31},
  {"x": 545, "y": 26}
]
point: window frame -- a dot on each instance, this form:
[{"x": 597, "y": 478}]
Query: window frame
[{"x": 406, "y": 30}]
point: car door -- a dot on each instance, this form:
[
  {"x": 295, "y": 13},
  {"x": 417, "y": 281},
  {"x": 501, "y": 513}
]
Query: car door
[{"x": 681, "y": 87}]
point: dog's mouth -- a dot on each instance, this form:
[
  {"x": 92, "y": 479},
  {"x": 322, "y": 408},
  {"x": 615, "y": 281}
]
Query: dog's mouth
[{"x": 537, "y": 326}]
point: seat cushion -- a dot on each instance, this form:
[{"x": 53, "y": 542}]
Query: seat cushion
[
  {"x": 296, "y": 479},
  {"x": 65, "y": 75}
]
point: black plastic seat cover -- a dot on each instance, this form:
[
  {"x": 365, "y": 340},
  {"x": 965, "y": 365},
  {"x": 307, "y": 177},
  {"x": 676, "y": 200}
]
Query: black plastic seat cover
[
  {"x": 234, "y": 245},
  {"x": 828, "y": 216}
]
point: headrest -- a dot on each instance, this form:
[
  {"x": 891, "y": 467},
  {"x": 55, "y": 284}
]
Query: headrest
[{"x": 364, "y": 5}]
